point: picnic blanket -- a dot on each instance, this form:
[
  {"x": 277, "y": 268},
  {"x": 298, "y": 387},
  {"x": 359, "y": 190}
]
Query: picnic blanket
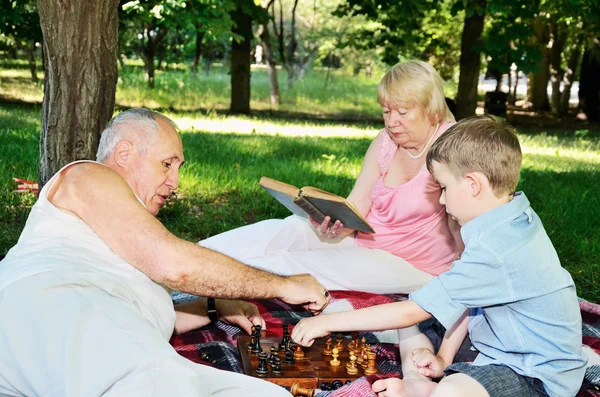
[{"x": 219, "y": 340}]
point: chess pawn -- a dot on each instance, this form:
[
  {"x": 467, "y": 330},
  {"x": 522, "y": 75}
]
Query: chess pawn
[
  {"x": 274, "y": 354},
  {"x": 359, "y": 358},
  {"x": 335, "y": 362},
  {"x": 371, "y": 369},
  {"x": 351, "y": 367},
  {"x": 289, "y": 357},
  {"x": 298, "y": 390},
  {"x": 276, "y": 366},
  {"x": 327, "y": 351},
  {"x": 339, "y": 345},
  {"x": 262, "y": 369},
  {"x": 298, "y": 353}
]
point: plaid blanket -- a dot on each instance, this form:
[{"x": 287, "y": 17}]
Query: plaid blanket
[{"x": 219, "y": 340}]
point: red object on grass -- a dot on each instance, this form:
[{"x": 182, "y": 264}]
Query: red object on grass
[{"x": 26, "y": 186}]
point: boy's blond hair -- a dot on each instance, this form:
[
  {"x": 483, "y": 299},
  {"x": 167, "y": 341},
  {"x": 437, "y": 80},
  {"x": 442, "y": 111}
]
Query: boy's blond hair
[
  {"x": 483, "y": 144},
  {"x": 415, "y": 83}
]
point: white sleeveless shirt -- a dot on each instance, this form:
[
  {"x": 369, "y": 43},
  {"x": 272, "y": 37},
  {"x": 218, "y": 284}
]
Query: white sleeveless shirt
[{"x": 54, "y": 240}]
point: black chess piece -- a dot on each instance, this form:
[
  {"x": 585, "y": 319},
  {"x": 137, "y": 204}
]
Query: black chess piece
[
  {"x": 271, "y": 358},
  {"x": 256, "y": 348},
  {"x": 336, "y": 384},
  {"x": 276, "y": 366},
  {"x": 286, "y": 338},
  {"x": 326, "y": 386},
  {"x": 289, "y": 357},
  {"x": 262, "y": 369}
]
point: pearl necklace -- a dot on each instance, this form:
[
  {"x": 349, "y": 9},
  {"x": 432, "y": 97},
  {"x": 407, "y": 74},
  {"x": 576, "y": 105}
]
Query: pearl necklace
[{"x": 437, "y": 127}]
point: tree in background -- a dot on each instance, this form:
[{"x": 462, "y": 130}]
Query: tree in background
[
  {"x": 20, "y": 28},
  {"x": 80, "y": 79}
]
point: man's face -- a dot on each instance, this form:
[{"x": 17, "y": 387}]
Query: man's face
[
  {"x": 456, "y": 194},
  {"x": 156, "y": 172}
]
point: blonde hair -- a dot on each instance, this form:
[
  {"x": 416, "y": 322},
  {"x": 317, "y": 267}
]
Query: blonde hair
[
  {"x": 415, "y": 83},
  {"x": 483, "y": 144}
]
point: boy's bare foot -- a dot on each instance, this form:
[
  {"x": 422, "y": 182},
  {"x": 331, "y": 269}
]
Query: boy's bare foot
[{"x": 413, "y": 385}]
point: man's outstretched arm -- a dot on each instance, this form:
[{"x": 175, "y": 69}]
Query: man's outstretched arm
[{"x": 104, "y": 201}]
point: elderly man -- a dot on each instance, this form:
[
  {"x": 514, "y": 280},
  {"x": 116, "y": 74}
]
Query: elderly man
[{"x": 83, "y": 299}]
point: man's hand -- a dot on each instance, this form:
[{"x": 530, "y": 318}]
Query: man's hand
[
  {"x": 308, "y": 329},
  {"x": 428, "y": 364},
  {"x": 240, "y": 313},
  {"x": 305, "y": 290}
]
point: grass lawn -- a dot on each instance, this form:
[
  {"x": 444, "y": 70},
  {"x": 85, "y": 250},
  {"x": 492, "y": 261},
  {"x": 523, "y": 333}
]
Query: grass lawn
[{"x": 226, "y": 156}]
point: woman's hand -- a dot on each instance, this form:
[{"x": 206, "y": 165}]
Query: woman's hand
[
  {"x": 240, "y": 313},
  {"x": 335, "y": 230}
]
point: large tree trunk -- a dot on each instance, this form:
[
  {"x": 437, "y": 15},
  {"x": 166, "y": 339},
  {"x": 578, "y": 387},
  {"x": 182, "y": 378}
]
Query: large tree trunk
[
  {"x": 291, "y": 49},
  {"x": 569, "y": 75},
  {"x": 538, "y": 82},
  {"x": 589, "y": 85},
  {"x": 559, "y": 33},
  {"x": 240, "y": 64},
  {"x": 470, "y": 60},
  {"x": 265, "y": 42},
  {"x": 80, "y": 79}
]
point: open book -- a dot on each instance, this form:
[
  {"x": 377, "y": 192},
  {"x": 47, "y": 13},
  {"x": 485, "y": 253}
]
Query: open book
[{"x": 317, "y": 204}]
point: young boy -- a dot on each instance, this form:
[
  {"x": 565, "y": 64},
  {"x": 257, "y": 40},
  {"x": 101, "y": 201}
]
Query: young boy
[{"x": 523, "y": 315}]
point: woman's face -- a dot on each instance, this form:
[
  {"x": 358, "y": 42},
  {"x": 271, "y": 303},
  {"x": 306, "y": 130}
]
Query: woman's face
[{"x": 408, "y": 127}]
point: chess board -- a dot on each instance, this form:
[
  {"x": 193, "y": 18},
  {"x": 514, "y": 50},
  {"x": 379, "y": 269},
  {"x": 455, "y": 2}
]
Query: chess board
[{"x": 308, "y": 372}]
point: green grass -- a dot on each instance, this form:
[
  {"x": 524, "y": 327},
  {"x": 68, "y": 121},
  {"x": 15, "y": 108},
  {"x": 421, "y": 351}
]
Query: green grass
[{"x": 226, "y": 156}]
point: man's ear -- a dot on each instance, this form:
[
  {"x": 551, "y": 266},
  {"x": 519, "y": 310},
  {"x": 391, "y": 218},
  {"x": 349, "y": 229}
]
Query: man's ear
[
  {"x": 123, "y": 153},
  {"x": 475, "y": 183}
]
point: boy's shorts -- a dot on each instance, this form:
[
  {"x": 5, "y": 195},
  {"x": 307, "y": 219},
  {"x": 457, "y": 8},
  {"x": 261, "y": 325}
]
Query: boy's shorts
[{"x": 498, "y": 380}]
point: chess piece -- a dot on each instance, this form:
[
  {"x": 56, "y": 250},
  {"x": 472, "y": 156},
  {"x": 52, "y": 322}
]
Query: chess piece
[
  {"x": 262, "y": 369},
  {"x": 289, "y": 357},
  {"x": 370, "y": 370},
  {"x": 274, "y": 354},
  {"x": 298, "y": 390},
  {"x": 353, "y": 345},
  {"x": 365, "y": 357},
  {"x": 339, "y": 345},
  {"x": 336, "y": 384},
  {"x": 335, "y": 362},
  {"x": 298, "y": 353},
  {"x": 326, "y": 386},
  {"x": 256, "y": 348},
  {"x": 327, "y": 351},
  {"x": 276, "y": 366},
  {"x": 286, "y": 338},
  {"x": 351, "y": 367}
]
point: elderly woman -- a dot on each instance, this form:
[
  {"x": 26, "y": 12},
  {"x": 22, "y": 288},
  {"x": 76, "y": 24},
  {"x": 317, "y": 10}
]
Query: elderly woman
[{"x": 414, "y": 238}]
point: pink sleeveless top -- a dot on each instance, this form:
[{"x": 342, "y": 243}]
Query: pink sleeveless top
[{"x": 408, "y": 219}]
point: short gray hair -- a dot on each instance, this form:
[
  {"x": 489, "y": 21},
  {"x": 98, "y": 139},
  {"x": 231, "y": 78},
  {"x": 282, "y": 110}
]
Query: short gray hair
[{"x": 138, "y": 125}]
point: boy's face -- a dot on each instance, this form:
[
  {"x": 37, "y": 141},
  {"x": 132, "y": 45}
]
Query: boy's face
[{"x": 457, "y": 194}]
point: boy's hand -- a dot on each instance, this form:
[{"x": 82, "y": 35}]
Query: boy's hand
[
  {"x": 428, "y": 364},
  {"x": 305, "y": 332}
]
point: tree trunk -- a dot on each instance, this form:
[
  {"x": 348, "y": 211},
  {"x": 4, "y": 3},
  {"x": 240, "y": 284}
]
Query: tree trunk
[
  {"x": 80, "y": 79},
  {"x": 559, "y": 33},
  {"x": 148, "y": 57},
  {"x": 240, "y": 64},
  {"x": 31, "y": 59},
  {"x": 291, "y": 48},
  {"x": 470, "y": 60},
  {"x": 589, "y": 85},
  {"x": 538, "y": 82},
  {"x": 569, "y": 75},
  {"x": 197, "y": 51},
  {"x": 265, "y": 42}
]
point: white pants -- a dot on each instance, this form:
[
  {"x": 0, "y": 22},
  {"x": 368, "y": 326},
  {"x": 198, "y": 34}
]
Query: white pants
[
  {"x": 291, "y": 246},
  {"x": 73, "y": 340}
]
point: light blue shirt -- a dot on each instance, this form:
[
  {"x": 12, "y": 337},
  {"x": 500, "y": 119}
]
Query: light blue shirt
[{"x": 524, "y": 310}]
